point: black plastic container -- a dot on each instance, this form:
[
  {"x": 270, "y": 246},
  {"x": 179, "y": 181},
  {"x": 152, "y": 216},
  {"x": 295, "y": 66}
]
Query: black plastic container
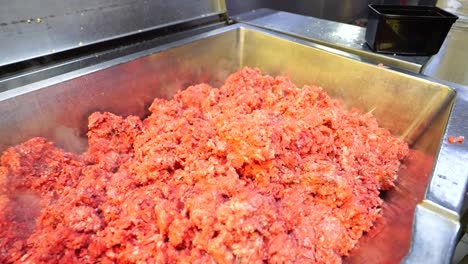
[{"x": 407, "y": 30}]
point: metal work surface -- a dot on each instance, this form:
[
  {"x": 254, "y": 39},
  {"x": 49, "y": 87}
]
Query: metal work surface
[
  {"x": 30, "y": 29},
  {"x": 340, "y": 36},
  {"x": 411, "y": 106},
  {"x": 336, "y": 10},
  {"x": 456, "y": 7},
  {"x": 450, "y": 63}
]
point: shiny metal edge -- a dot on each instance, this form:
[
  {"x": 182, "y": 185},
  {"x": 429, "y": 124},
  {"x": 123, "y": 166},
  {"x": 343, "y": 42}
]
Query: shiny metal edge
[
  {"x": 438, "y": 245},
  {"x": 449, "y": 181},
  {"x": 345, "y": 37},
  {"x": 441, "y": 210},
  {"x": 448, "y": 152}
]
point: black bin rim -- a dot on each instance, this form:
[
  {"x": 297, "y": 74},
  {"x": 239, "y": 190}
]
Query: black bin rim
[{"x": 380, "y": 10}]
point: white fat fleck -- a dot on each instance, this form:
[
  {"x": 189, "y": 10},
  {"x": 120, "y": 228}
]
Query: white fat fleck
[
  {"x": 159, "y": 244},
  {"x": 24, "y": 257},
  {"x": 237, "y": 206}
]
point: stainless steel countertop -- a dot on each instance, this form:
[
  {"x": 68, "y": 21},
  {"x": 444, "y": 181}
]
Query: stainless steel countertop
[
  {"x": 450, "y": 63},
  {"x": 340, "y": 36}
]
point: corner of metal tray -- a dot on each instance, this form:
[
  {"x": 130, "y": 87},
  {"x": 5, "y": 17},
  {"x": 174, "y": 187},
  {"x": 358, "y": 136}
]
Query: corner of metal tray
[{"x": 435, "y": 233}]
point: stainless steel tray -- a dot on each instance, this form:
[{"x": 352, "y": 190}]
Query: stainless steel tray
[{"x": 412, "y": 107}]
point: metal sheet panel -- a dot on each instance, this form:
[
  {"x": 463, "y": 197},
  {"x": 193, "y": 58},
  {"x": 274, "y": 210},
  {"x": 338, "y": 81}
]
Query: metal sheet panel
[
  {"x": 59, "y": 64},
  {"x": 30, "y": 29}
]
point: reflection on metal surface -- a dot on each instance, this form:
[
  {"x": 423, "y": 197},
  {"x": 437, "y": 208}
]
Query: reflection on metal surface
[
  {"x": 30, "y": 29},
  {"x": 450, "y": 63},
  {"x": 457, "y": 7},
  {"x": 340, "y": 36},
  {"x": 403, "y": 103},
  {"x": 431, "y": 226},
  {"x": 336, "y": 10},
  {"x": 347, "y": 34},
  {"x": 445, "y": 188}
]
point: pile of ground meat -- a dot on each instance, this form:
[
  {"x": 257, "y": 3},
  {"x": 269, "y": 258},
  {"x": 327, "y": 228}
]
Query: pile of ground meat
[{"x": 257, "y": 171}]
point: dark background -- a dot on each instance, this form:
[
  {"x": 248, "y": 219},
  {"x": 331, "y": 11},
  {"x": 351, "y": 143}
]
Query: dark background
[{"x": 337, "y": 10}]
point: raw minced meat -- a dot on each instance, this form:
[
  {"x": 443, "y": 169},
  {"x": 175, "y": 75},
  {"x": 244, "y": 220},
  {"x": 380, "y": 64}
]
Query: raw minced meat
[{"x": 255, "y": 171}]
